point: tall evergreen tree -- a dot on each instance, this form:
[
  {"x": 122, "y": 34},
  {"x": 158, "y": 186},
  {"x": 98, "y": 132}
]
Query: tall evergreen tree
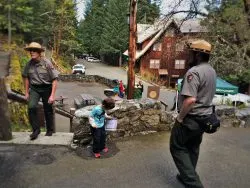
[
  {"x": 92, "y": 26},
  {"x": 114, "y": 37},
  {"x": 43, "y": 21},
  {"x": 230, "y": 34},
  {"x": 64, "y": 26},
  {"x": 147, "y": 11},
  {"x": 105, "y": 29},
  {"x": 21, "y": 16}
]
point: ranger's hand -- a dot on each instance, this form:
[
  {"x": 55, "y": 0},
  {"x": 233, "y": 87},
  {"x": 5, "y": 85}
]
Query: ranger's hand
[
  {"x": 109, "y": 117},
  {"x": 51, "y": 99},
  {"x": 94, "y": 126},
  {"x": 178, "y": 121},
  {"x": 27, "y": 96}
]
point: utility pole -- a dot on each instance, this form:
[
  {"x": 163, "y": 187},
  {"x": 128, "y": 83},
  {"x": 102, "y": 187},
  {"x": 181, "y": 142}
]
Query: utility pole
[
  {"x": 132, "y": 48},
  {"x": 9, "y": 23}
]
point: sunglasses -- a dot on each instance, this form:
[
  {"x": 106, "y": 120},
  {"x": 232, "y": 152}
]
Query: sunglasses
[{"x": 34, "y": 50}]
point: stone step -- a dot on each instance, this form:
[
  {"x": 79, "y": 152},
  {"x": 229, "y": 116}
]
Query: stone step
[{"x": 59, "y": 138}]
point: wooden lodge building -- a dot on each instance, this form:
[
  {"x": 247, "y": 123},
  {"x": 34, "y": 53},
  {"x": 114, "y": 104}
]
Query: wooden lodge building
[{"x": 161, "y": 54}]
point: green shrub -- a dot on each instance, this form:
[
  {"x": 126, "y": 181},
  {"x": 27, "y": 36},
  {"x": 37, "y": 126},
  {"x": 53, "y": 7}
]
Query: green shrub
[{"x": 18, "y": 112}]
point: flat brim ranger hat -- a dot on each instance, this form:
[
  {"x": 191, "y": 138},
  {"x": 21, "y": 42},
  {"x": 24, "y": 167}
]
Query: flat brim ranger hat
[
  {"x": 200, "y": 46},
  {"x": 34, "y": 45}
]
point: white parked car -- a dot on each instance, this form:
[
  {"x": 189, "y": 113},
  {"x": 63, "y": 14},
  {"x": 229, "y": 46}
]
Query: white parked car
[
  {"x": 235, "y": 100},
  {"x": 78, "y": 69},
  {"x": 92, "y": 59}
]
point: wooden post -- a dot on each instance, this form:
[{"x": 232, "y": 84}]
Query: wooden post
[
  {"x": 9, "y": 23},
  {"x": 54, "y": 119},
  {"x": 132, "y": 49},
  {"x": 72, "y": 111},
  {"x": 120, "y": 59},
  {"x": 5, "y": 126}
]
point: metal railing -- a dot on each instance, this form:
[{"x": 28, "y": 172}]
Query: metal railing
[{"x": 165, "y": 105}]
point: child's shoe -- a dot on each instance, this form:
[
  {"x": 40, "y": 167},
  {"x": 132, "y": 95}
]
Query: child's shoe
[
  {"x": 105, "y": 150},
  {"x": 97, "y": 155}
]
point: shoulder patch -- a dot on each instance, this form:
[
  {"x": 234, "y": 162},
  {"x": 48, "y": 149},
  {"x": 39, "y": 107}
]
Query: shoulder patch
[
  {"x": 48, "y": 65},
  {"x": 190, "y": 78}
]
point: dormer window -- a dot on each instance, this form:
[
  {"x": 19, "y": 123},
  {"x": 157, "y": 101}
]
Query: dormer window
[
  {"x": 179, "y": 47},
  {"x": 157, "y": 46}
]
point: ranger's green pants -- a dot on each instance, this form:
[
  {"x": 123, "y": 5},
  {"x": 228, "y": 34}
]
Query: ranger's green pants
[
  {"x": 184, "y": 147},
  {"x": 35, "y": 93}
]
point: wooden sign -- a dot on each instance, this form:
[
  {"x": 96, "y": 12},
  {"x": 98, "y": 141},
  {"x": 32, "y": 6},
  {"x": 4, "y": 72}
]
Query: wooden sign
[{"x": 153, "y": 92}]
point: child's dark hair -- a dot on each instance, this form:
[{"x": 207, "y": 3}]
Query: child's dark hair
[{"x": 108, "y": 103}]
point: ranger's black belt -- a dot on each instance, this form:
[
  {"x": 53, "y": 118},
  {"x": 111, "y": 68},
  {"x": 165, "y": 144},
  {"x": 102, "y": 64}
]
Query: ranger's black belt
[{"x": 40, "y": 86}]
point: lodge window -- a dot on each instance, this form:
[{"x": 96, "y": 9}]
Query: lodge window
[
  {"x": 157, "y": 46},
  {"x": 179, "y": 64},
  {"x": 154, "y": 64}
]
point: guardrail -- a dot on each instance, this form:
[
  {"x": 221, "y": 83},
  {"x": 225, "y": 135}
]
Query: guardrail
[
  {"x": 165, "y": 105},
  {"x": 19, "y": 97}
]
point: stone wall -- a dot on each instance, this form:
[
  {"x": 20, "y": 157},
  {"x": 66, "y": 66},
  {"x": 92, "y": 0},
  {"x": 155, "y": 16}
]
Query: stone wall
[
  {"x": 233, "y": 117},
  {"x": 243, "y": 116},
  {"x": 142, "y": 116},
  {"x": 133, "y": 116},
  {"x": 85, "y": 78},
  {"x": 139, "y": 117}
]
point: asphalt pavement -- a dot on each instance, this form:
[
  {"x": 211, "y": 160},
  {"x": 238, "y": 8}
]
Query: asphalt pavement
[
  {"x": 111, "y": 72},
  {"x": 135, "y": 162},
  {"x": 70, "y": 90}
]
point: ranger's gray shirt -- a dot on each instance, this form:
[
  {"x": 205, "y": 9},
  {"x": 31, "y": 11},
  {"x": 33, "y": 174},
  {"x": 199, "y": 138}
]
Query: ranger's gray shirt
[
  {"x": 199, "y": 82},
  {"x": 39, "y": 73}
]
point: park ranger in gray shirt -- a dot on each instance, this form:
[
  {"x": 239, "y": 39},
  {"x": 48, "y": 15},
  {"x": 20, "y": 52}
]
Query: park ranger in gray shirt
[
  {"x": 40, "y": 79},
  {"x": 195, "y": 102}
]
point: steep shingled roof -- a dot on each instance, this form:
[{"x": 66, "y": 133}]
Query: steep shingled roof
[
  {"x": 192, "y": 26},
  {"x": 144, "y": 31}
]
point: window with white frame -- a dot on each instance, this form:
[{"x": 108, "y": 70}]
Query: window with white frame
[
  {"x": 154, "y": 64},
  {"x": 179, "y": 64},
  {"x": 157, "y": 46},
  {"x": 179, "y": 47}
]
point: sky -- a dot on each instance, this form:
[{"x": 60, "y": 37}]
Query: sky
[
  {"x": 80, "y": 9},
  {"x": 165, "y": 6}
]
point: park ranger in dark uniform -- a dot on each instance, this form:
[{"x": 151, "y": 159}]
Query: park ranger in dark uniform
[
  {"x": 40, "y": 79},
  {"x": 195, "y": 102}
]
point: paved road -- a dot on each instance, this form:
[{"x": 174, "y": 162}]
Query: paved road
[
  {"x": 138, "y": 162},
  {"x": 135, "y": 162},
  {"x": 71, "y": 90},
  {"x": 111, "y": 72}
]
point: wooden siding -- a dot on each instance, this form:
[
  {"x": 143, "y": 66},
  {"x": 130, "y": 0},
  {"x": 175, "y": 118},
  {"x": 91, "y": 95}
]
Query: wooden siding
[
  {"x": 145, "y": 69},
  {"x": 167, "y": 57}
]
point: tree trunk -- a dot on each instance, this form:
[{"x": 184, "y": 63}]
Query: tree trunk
[
  {"x": 132, "y": 49},
  {"x": 5, "y": 127},
  {"x": 120, "y": 59},
  {"x": 247, "y": 9},
  {"x": 60, "y": 30}
]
